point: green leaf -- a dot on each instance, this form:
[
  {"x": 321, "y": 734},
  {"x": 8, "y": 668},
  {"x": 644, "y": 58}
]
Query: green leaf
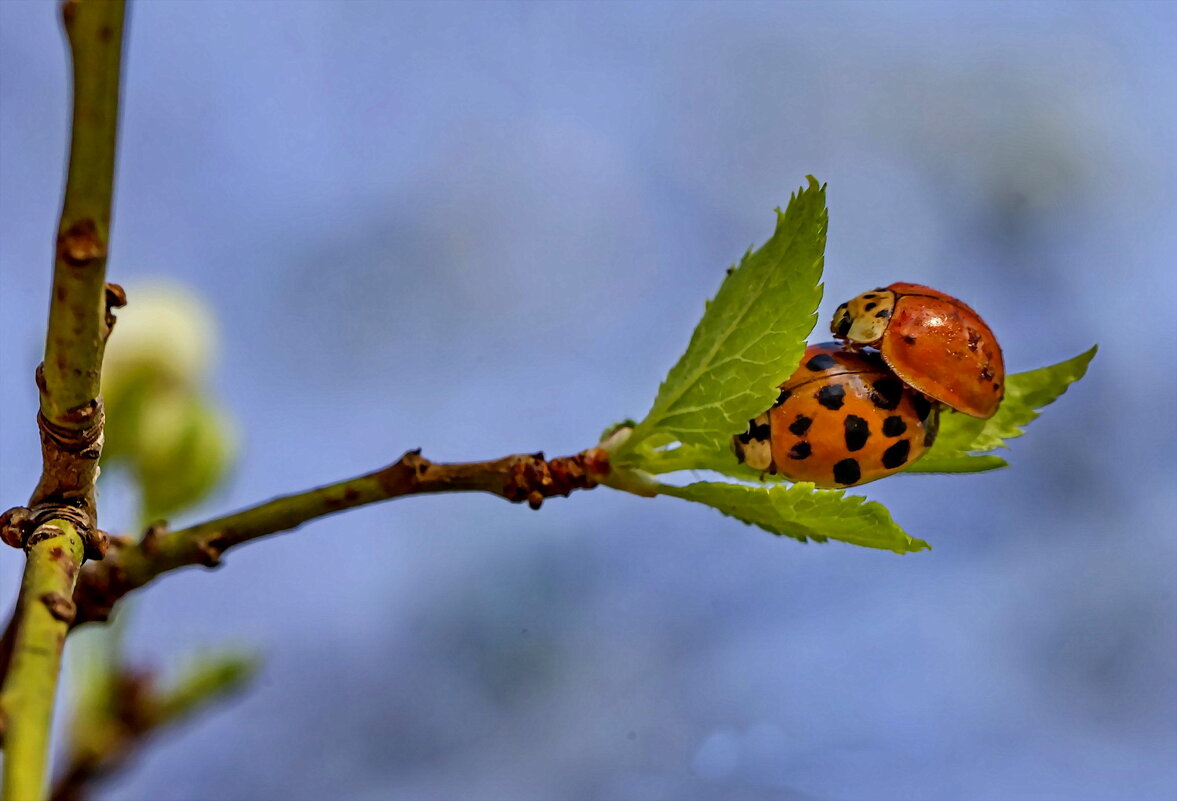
[
  {"x": 749, "y": 340},
  {"x": 962, "y": 437},
  {"x": 209, "y": 678},
  {"x": 804, "y": 513},
  {"x": 956, "y": 463}
]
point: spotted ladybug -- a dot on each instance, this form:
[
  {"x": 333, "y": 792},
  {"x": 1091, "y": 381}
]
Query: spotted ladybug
[
  {"x": 842, "y": 419},
  {"x": 932, "y": 341}
]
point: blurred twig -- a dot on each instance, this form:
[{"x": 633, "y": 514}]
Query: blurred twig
[
  {"x": 124, "y": 708},
  {"x": 130, "y": 564},
  {"x": 59, "y": 526}
]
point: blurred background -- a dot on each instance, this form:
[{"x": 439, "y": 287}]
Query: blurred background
[{"x": 483, "y": 229}]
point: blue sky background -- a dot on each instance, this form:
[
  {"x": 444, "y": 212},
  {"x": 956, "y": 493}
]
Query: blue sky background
[{"x": 487, "y": 228}]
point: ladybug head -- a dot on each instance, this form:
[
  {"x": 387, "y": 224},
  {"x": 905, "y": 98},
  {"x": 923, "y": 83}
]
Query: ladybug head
[{"x": 863, "y": 320}]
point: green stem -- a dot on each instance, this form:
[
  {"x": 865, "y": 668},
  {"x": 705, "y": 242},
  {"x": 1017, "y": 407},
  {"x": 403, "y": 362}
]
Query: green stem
[
  {"x": 521, "y": 477},
  {"x": 44, "y": 614},
  {"x": 77, "y": 315},
  {"x": 71, "y": 418}
]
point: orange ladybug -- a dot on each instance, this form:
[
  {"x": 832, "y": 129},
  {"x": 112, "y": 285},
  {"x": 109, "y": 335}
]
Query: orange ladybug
[
  {"x": 932, "y": 341},
  {"x": 843, "y": 418}
]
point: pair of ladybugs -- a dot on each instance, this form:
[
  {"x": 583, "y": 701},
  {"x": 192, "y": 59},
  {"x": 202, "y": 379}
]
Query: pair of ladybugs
[{"x": 867, "y": 407}]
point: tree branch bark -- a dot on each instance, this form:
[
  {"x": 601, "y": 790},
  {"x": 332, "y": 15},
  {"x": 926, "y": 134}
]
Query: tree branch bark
[
  {"x": 59, "y": 527},
  {"x": 45, "y": 612},
  {"x": 518, "y": 478},
  {"x": 80, "y": 320}
]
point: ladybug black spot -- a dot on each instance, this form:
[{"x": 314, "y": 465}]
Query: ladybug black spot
[
  {"x": 759, "y": 432},
  {"x": 880, "y": 289},
  {"x": 847, "y": 472},
  {"x": 986, "y": 373},
  {"x": 922, "y": 405},
  {"x": 887, "y": 393},
  {"x": 896, "y": 455},
  {"x": 857, "y": 432},
  {"x": 822, "y": 361},
  {"x": 831, "y": 396},
  {"x": 870, "y": 306},
  {"x": 883, "y": 314},
  {"x": 800, "y": 451},
  {"x": 870, "y": 294},
  {"x": 843, "y": 326},
  {"x": 800, "y": 425},
  {"x": 893, "y": 426},
  {"x": 843, "y": 306}
]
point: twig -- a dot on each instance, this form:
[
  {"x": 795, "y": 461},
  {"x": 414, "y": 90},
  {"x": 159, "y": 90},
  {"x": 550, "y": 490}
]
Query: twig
[
  {"x": 69, "y": 379},
  {"x": 130, "y": 564},
  {"x": 77, "y": 323},
  {"x": 45, "y": 612},
  {"x": 59, "y": 527},
  {"x": 130, "y": 708}
]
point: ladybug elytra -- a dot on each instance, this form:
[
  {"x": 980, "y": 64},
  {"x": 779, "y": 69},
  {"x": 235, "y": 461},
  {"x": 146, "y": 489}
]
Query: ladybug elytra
[
  {"x": 934, "y": 342},
  {"x": 842, "y": 419}
]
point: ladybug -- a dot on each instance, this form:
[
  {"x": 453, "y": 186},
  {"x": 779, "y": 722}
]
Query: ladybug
[
  {"x": 842, "y": 419},
  {"x": 932, "y": 341}
]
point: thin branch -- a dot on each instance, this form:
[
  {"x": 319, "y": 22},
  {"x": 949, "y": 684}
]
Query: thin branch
[
  {"x": 127, "y": 708},
  {"x": 45, "y": 612},
  {"x": 69, "y": 379},
  {"x": 59, "y": 528},
  {"x": 77, "y": 333},
  {"x": 130, "y": 564}
]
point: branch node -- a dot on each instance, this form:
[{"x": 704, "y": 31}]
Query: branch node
[
  {"x": 94, "y": 543},
  {"x": 60, "y": 607},
  {"x": 15, "y": 526},
  {"x": 81, "y": 429},
  {"x": 150, "y": 541},
  {"x": 533, "y": 478},
  {"x": 414, "y": 461},
  {"x": 210, "y": 550},
  {"x": 42, "y": 532},
  {"x": 116, "y": 298},
  {"x": 70, "y": 449},
  {"x": 596, "y": 462},
  {"x": 80, "y": 245}
]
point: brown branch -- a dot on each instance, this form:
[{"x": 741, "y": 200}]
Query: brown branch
[{"x": 518, "y": 478}]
